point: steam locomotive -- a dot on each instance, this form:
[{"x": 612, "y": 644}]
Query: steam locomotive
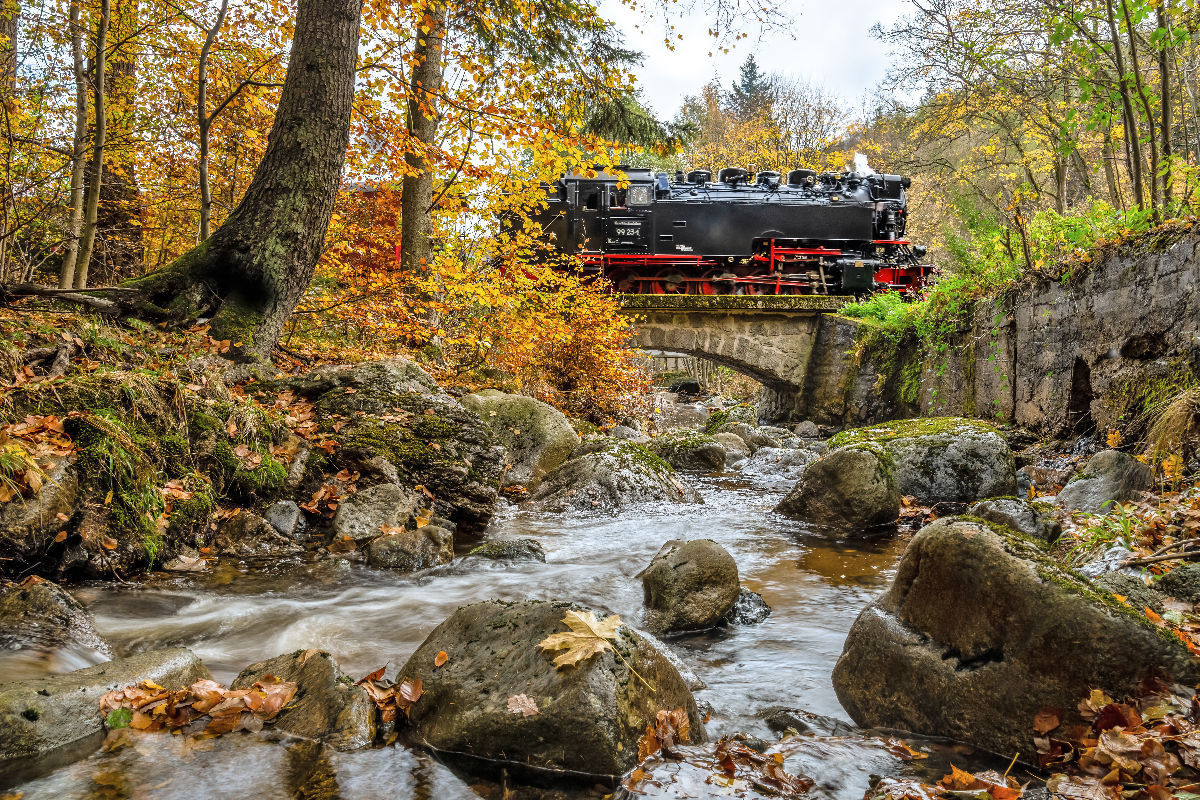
[{"x": 743, "y": 233}]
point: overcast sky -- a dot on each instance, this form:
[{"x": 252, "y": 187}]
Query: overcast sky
[{"x": 829, "y": 43}]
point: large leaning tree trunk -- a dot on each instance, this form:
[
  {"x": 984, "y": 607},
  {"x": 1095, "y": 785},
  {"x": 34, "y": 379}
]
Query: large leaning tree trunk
[{"x": 252, "y": 272}]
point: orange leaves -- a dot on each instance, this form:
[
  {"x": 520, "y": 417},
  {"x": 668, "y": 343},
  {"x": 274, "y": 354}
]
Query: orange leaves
[
  {"x": 1123, "y": 747},
  {"x": 669, "y": 729},
  {"x": 24, "y": 448},
  {"x": 391, "y": 698},
  {"x": 150, "y": 707}
]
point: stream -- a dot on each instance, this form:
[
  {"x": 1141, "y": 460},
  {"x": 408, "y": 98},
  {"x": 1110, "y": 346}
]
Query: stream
[{"x": 235, "y": 615}]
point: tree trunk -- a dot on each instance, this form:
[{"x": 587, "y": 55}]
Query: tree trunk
[
  {"x": 255, "y": 268},
  {"x": 119, "y": 252},
  {"x": 66, "y": 275},
  {"x": 416, "y": 221},
  {"x": 1164, "y": 74},
  {"x": 204, "y": 121},
  {"x": 1132, "y": 140},
  {"x": 91, "y": 203},
  {"x": 1139, "y": 84}
]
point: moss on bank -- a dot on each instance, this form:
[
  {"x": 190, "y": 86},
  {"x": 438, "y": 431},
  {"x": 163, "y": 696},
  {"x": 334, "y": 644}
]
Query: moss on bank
[{"x": 908, "y": 429}]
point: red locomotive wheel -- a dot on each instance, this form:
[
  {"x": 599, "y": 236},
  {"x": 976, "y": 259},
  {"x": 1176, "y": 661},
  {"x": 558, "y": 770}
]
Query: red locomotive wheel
[
  {"x": 671, "y": 281},
  {"x": 719, "y": 281}
]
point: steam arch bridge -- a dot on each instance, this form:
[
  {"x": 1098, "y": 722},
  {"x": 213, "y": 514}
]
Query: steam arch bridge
[{"x": 791, "y": 344}]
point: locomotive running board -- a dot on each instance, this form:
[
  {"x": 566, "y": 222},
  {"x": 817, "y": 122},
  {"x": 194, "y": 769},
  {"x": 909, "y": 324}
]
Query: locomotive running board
[{"x": 782, "y": 303}]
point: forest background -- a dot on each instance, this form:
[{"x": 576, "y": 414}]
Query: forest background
[{"x": 1033, "y": 131}]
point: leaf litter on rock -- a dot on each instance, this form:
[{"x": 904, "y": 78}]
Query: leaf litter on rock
[
  {"x": 391, "y": 698},
  {"x": 148, "y": 706}
]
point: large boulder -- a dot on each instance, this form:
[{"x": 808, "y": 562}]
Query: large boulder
[
  {"x": 689, "y": 450},
  {"x": 389, "y": 421},
  {"x": 1108, "y": 478},
  {"x": 375, "y": 510},
  {"x": 942, "y": 459},
  {"x": 327, "y": 706},
  {"x": 980, "y": 631},
  {"x": 58, "y": 717},
  {"x": 498, "y": 695},
  {"x": 689, "y": 586},
  {"x": 1031, "y": 519},
  {"x": 609, "y": 476},
  {"x": 848, "y": 490},
  {"x": 536, "y": 436},
  {"x": 39, "y": 615}
]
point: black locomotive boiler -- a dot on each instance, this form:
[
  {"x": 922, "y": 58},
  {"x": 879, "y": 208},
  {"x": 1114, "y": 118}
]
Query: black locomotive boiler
[{"x": 743, "y": 233}]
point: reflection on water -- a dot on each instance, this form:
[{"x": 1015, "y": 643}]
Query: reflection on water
[{"x": 367, "y": 617}]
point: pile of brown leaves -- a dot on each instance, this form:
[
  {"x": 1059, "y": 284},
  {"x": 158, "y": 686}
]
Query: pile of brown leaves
[
  {"x": 392, "y": 698},
  {"x": 1148, "y": 747},
  {"x": 150, "y": 707},
  {"x": 26, "y": 445},
  {"x": 988, "y": 785},
  {"x": 728, "y": 764}
]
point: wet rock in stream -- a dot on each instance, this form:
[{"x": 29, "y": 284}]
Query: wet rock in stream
[
  {"x": 40, "y": 615},
  {"x": 942, "y": 650},
  {"x": 847, "y": 491},
  {"x": 328, "y": 707},
  {"x": 498, "y": 696},
  {"x": 749, "y": 609},
  {"x": 57, "y": 718},
  {"x": 689, "y": 586},
  {"x": 510, "y": 550}
]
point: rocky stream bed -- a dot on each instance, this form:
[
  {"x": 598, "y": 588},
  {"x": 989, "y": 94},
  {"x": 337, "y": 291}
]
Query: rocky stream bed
[{"x": 797, "y": 584}]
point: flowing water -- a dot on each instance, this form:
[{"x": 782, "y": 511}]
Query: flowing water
[{"x": 236, "y": 615}]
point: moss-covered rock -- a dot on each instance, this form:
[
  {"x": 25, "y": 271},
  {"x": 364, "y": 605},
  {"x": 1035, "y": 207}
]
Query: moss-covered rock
[
  {"x": 393, "y": 411},
  {"x": 979, "y": 618},
  {"x": 942, "y": 459},
  {"x": 606, "y": 476},
  {"x": 584, "y": 719},
  {"x": 689, "y": 450},
  {"x": 536, "y": 436}
]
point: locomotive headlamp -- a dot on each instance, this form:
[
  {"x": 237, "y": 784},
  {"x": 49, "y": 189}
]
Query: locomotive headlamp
[{"x": 639, "y": 195}]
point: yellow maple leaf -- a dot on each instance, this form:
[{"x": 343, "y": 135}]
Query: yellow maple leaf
[{"x": 588, "y": 636}]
